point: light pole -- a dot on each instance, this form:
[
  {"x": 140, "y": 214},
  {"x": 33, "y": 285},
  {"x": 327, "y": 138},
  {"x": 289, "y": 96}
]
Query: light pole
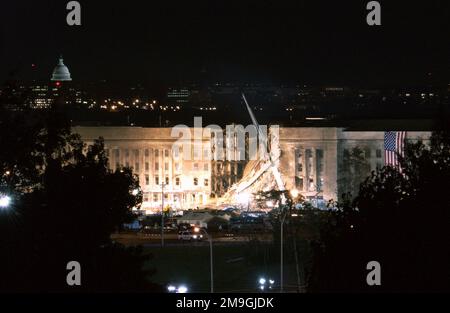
[
  {"x": 162, "y": 214},
  {"x": 281, "y": 251},
  {"x": 294, "y": 193},
  {"x": 196, "y": 229}
]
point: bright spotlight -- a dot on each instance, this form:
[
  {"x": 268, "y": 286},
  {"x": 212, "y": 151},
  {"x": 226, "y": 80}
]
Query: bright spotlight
[
  {"x": 243, "y": 198},
  {"x": 182, "y": 289},
  {"x": 271, "y": 281},
  {"x": 262, "y": 281},
  {"x": 294, "y": 193},
  {"x": 5, "y": 201},
  {"x": 135, "y": 192}
]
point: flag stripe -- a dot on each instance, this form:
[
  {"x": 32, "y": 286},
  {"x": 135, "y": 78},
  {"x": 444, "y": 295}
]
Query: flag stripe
[{"x": 394, "y": 146}]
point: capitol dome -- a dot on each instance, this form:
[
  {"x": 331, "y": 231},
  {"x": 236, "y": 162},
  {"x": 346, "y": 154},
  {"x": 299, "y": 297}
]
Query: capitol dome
[{"x": 61, "y": 72}]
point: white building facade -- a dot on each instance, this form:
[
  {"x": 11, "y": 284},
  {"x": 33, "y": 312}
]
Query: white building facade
[{"x": 311, "y": 162}]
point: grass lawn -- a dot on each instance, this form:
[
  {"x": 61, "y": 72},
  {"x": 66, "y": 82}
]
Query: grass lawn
[{"x": 236, "y": 267}]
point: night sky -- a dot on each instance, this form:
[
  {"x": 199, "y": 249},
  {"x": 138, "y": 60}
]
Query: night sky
[{"x": 321, "y": 42}]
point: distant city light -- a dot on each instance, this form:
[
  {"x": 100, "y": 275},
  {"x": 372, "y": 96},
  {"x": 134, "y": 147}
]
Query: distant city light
[
  {"x": 315, "y": 118},
  {"x": 294, "y": 193}
]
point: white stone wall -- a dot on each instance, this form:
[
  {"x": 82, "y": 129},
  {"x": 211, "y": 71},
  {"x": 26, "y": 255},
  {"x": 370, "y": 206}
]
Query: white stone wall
[{"x": 149, "y": 151}]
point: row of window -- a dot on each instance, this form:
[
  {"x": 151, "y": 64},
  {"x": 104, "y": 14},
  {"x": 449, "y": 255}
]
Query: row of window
[
  {"x": 136, "y": 167},
  {"x": 176, "y": 152},
  {"x": 135, "y": 152},
  {"x": 157, "y": 197},
  {"x": 177, "y": 181}
]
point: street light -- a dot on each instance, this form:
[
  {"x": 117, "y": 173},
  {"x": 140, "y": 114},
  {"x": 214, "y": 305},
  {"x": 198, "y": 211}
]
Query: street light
[
  {"x": 282, "y": 219},
  {"x": 171, "y": 288},
  {"x": 162, "y": 214},
  {"x": 197, "y": 230},
  {"x": 179, "y": 289},
  {"x": 5, "y": 201},
  {"x": 262, "y": 283}
]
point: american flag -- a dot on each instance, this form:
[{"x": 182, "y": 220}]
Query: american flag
[{"x": 394, "y": 146}]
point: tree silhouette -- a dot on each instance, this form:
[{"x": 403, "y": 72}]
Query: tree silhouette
[
  {"x": 66, "y": 203},
  {"x": 400, "y": 219}
]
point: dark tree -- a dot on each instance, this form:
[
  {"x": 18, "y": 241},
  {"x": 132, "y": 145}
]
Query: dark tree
[
  {"x": 400, "y": 219},
  {"x": 66, "y": 203}
]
